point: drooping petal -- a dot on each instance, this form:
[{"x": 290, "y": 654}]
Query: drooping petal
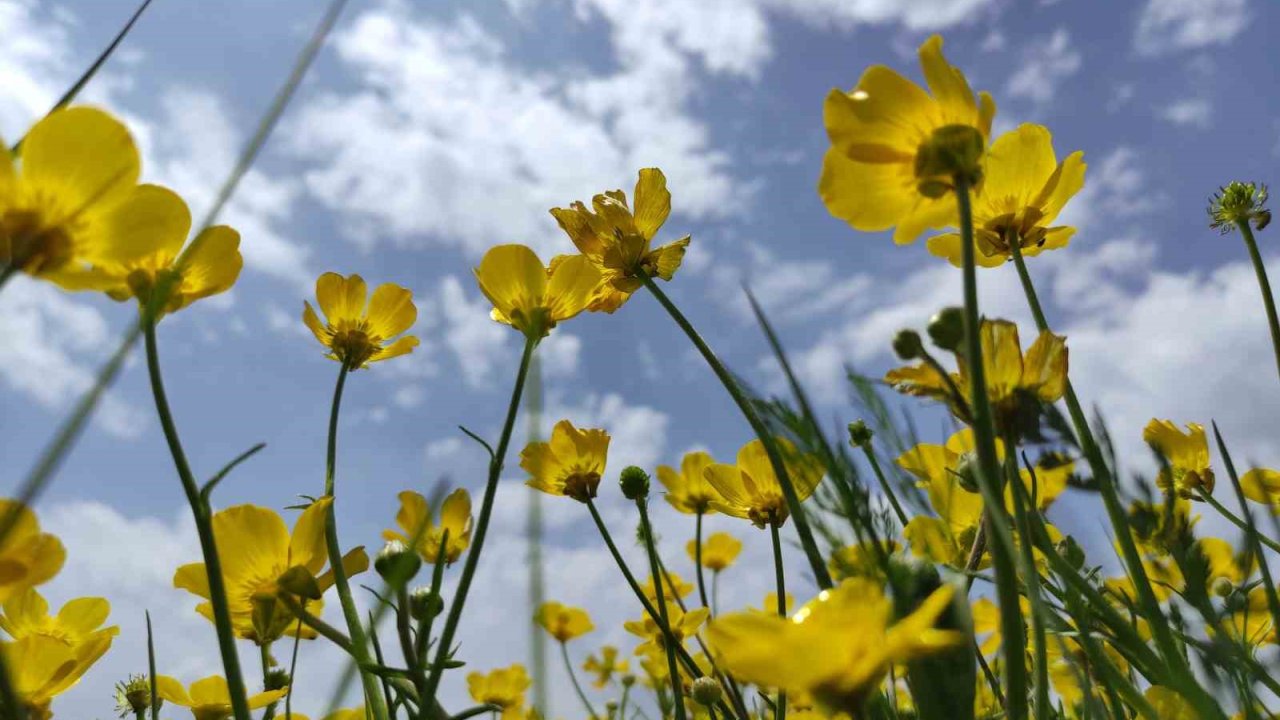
[
  {"x": 84, "y": 615},
  {"x": 213, "y": 264},
  {"x": 1045, "y": 367},
  {"x": 194, "y": 578},
  {"x": 314, "y": 324},
  {"x": 653, "y": 202},
  {"x": 403, "y": 346},
  {"x": 171, "y": 690}
]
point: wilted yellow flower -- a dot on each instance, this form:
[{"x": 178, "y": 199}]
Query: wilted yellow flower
[
  {"x": 751, "y": 490},
  {"x": 42, "y": 666},
  {"x": 147, "y": 242},
  {"x": 837, "y": 647},
  {"x": 414, "y": 520},
  {"x": 673, "y": 586},
  {"x": 860, "y": 560},
  {"x": 605, "y": 666},
  {"x": 563, "y": 622},
  {"x": 894, "y": 147},
  {"x": 1262, "y": 485},
  {"x": 209, "y": 698},
  {"x": 683, "y": 625},
  {"x": 28, "y": 556},
  {"x": 503, "y": 687},
  {"x": 687, "y": 489},
  {"x": 532, "y": 298},
  {"x": 357, "y": 328},
  {"x": 616, "y": 240},
  {"x": 1187, "y": 454},
  {"x": 718, "y": 552},
  {"x": 77, "y": 622},
  {"x": 69, "y": 197},
  {"x": 570, "y": 464},
  {"x": 256, "y": 550},
  {"x": 1025, "y": 188}
]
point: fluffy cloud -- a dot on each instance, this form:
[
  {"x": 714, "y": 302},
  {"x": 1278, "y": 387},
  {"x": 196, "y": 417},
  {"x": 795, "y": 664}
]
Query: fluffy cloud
[
  {"x": 1170, "y": 25},
  {"x": 785, "y": 289},
  {"x": 1046, "y": 63},
  {"x": 1192, "y": 112}
]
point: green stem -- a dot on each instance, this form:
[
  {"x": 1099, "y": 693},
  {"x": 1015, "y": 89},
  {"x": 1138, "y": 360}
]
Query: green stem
[
  {"x": 1013, "y": 639},
  {"x": 293, "y": 672},
  {"x": 404, "y": 633},
  {"x": 573, "y": 677},
  {"x": 715, "y": 593},
  {"x": 324, "y": 629},
  {"x": 781, "y": 582},
  {"x": 1031, "y": 581},
  {"x": 1264, "y": 285},
  {"x": 884, "y": 484},
  {"x": 669, "y": 639},
  {"x": 697, "y": 560},
  {"x": 204, "y": 530},
  {"x": 1235, "y": 520},
  {"x": 265, "y": 652},
  {"x": 762, "y": 432},
  {"x": 359, "y": 640},
  {"x": 481, "y": 528},
  {"x": 622, "y": 705}
]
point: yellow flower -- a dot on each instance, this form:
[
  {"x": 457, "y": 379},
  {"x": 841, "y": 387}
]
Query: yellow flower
[
  {"x": 28, "y": 556},
  {"x": 859, "y": 560},
  {"x": 718, "y": 552},
  {"x": 674, "y": 586},
  {"x": 570, "y": 464},
  {"x": 1252, "y": 623},
  {"x": 878, "y": 173},
  {"x": 355, "y": 333},
  {"x": 750, "y": 489},
  {"x": 1169, "y": 705},
  {"x": 837, "y": 647},
  {"x": 1262, "y": 485},
  {"x": 1224, "y": 562},
  {"x": 209, "y": 699},
  {"x": 683, "y": 625},
  {"x": 148, "y": 242},
  {"x": 77, "y": 622},
  {"x": 532, "y": 298},
  {"x": 355, "y": 713},
  {"x": 1025, "y": 188},
  {"x": 69, "y": 197},
  {"x": 687, "y": 489},
  {"x": 256, "y": 549},
  {"x": 563, "y": 622},
  {"x": 503, "y": 687},
  {"x": 653, "y": 662},
  {"x": 414, "y": 520},
  {"x": 616, "y": 240},
  {"x": 1187, "y": 455},
  {"x": 43, "y": 666},
  {"x": 605, "y": 666}
]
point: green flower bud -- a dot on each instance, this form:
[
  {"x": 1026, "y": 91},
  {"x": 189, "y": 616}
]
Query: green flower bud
[
  {"x": 859, "y": 434},
  {"x": 424, "y": 604},
  {"x": 635, "y": 483},
  {"x": 277, "y": 679},
  {"x": 952, "y": 152},
  {"x": 946, "y": 328},
  {"x": 966, "y": 472},
  {"x": 396, "y": 563},
  {"x": 1222, "y": 587},
  {"x": 907, "y": 345},
  {"x": 706, "y": 691}
]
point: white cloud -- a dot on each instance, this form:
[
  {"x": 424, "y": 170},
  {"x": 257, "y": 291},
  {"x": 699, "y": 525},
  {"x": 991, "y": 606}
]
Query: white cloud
[
  {"x": 1046, "y": 63},
  {"x": 786, "y": 289},
  {"x": 476, "y": 341},
  {"x": 559, "y": 353},
  {"x": 1196, "y": 112},
  {"x": 1170, "y": 25}
]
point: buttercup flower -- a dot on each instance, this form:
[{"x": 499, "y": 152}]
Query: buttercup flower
[
  {"x": 563, "y": 622},
  {"x": 530, "y": 297},
  {"x": 209, "y": 699},
  {"x": 256, "y": 550},
  {"x": 43, "y": 667},
  {"x": 1024, "y": 190},
  {"x": 570, "y": 464},
  {"x": 837, "y": 647},
  {"x": 605, "y": 666},
  {"x": 750, "y": 489},
  {"x": 860, "y": 560},
  {"x": 29, "y": 557},
  {"x": 77, "y": 622},
  {"x": 68, "y": 196},
  {"x": 1187, "y": 455},
  {"x": 617, "y": 240},
  {"x": 894, "y": 147},
  {"x": 415, "y": 520},
  {"x": 1262, "y": 485},
  {"x": 503, "y": 687},
  {"x": 357, "y": 333},
  {"x": 718, "y": 551},
  {"x": 683, "y": 625},
  {"x": 673, "y": 586},
  {"x": 687, "y": 488}
]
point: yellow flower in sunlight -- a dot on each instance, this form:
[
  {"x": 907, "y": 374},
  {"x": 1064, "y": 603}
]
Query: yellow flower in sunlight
[
  {"x": 887, "y": 137},
  {"x": 653, "y": 662},
  {"x": 69, "y": 196},
  {"x": 1025, "y": 188},
  {"x": 356, "y": 332},
  {"x": 28, "y": 556},
  {"x": 1224, "y": 563},
  {"x": 673, "y": 587},
  {"x": 530, "y": 297},
  {"x": 1251, "y": 623},
  {"x": 209, "y": 699},
  {"x": 750, "y": 489},
  {"x": 1262, "y": 485},
  {"x": 1159, "y": 527},
  {"x": 837, "y": 647},
  {"x": 570, "y": 464},
  {"x": 145, "y": 248},
  {"x": 860, "y": 559},
  {"x": 414, "y": 520},
  {"x": 687, "y": 489},
  {"x": 43, "y": 666},
  {"x": 256, "y": 550},
  {"x": 563, "y": 622},
  {"x": 77, "y": 622},
  {"x": 1169, "y": 705},
  {"x": 1187, "y": 454},
  {"x": 616, "y": 240},
  {"x": 605, "y": 666},
  {"x": 1162, "y": 571},
  {"x": 503, "y": 687},
  {"x": 683, "y": 625},
  {"x": 718, "y": 551}
]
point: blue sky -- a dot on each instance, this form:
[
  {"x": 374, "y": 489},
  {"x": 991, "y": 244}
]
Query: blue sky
[{"x": 427, "y": 132}]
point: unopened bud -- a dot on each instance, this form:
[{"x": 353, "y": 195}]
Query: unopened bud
[
  {"x": 277, "y": 679},
  {"x": 635, "y": 482},
  {"x": 907, "y": 345},
  {"x": 859, "y": 434},
  {"x": 396, "y": 563},
  {"x": 946, "y": 328},
  {"x": 966, "y": 472},
  {"x": 1222, "y": 587},
  {"x": 706, "y": 691},
  {"x": 424, "y": 604}
]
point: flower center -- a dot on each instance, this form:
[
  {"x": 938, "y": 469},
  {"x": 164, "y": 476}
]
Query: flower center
[{"x": 30, "y": 242}]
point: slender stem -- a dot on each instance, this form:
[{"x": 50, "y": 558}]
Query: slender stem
[
  {"x": 151, "y": 668},
  {"x": 1264, "y": 285},
  {"x": 381, "y": 660},
  {"x": 697, "y": 560},
  {"x": 293, "y": 672},
  {"x": 780, "y": 579},
  {"x": 204, "y": 530},
  {"x": 405, "y": 634},
  {"x": 622, "y": 705},
  {"x": 715, "y": 592},
  {"x": 329, "y": 632},
  {"x": 884, "y": 484},
  {"x": 976, "y": 551},
  {"x": 437, "y": 578},
  {"x": 1030, "y": 579},
  {"x": 265, "y": 652},
  {"x": 355, "y": 626},
  {"x": 810, "y": 546},
  {"x": 573, "y": 677},
  {"x": 1235, "y": 520},
  {"x": 668, "y": 638},
  {"x": 481, "y": 528}
]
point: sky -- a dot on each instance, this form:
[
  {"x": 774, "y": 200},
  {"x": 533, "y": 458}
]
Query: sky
[{"x": 427, "y": 132}]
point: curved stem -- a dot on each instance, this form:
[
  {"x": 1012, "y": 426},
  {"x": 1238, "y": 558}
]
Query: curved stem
[
  {"x": 573, "y": 677},
  {"x": 816, "y": 563},
  {"x": 329, "y": 632},
  {"x": 1235, "y": 520},
  {"x": 884, "y": 484},
  {"x": 204, "y": 530},
  {"x": 668, "y": 638},
  {"x": 697, "y": 560},
  {"x": 1268, "y": 300},
  {"x": 481, "y": 528},
  {"x": 780, "y": 579}
]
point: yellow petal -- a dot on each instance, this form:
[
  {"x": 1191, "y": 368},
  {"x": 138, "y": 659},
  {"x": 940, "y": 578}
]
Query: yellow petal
[
  {"x": 194, "y": 578},
  {"x": 948, "y": 246},
  {"x": 571, "y": 286},
  {"x": 1262, "y": 485},
  {"x": 250, "y": 540},
  {"x": 314, "y": 324},
  {"x": 210, "y": 691},
  {"x": 751, "y": 643},
  {"x": 1054, "y": 238},
  {"x": 341, "y": 298},
  {"x": 653, "y": 202},
  {"x": 455, "y": 513},
  {"x": 391, "y": 311},
  {"x": 512, "y": 278},
  {"x": 403, "y": 346},
  {"x": 171, "y": 690},
  {"x": 307, "y": 543},
  {"x": 867, "y": 196},
  {"x": 84, "y": 615},
  {"x": 151, "y": 220},
  {"x": 882, "y": 120},
  {"x": 666, "y": 259},
  {"x": 1002, "y": 358},
  {"x": 213, "y": 264},
  {"x": 1045, "y": 367},
  {"x": 83, "y": 155},
  {"x": 574, "y": 221},
  {"x": 926, "y": 215},
  {"x": 947, "y": 84},
  {"x": 1019, "y": 165},
  {"x": 929, "y": 538},
  {"x": 927, "y": 462}
]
